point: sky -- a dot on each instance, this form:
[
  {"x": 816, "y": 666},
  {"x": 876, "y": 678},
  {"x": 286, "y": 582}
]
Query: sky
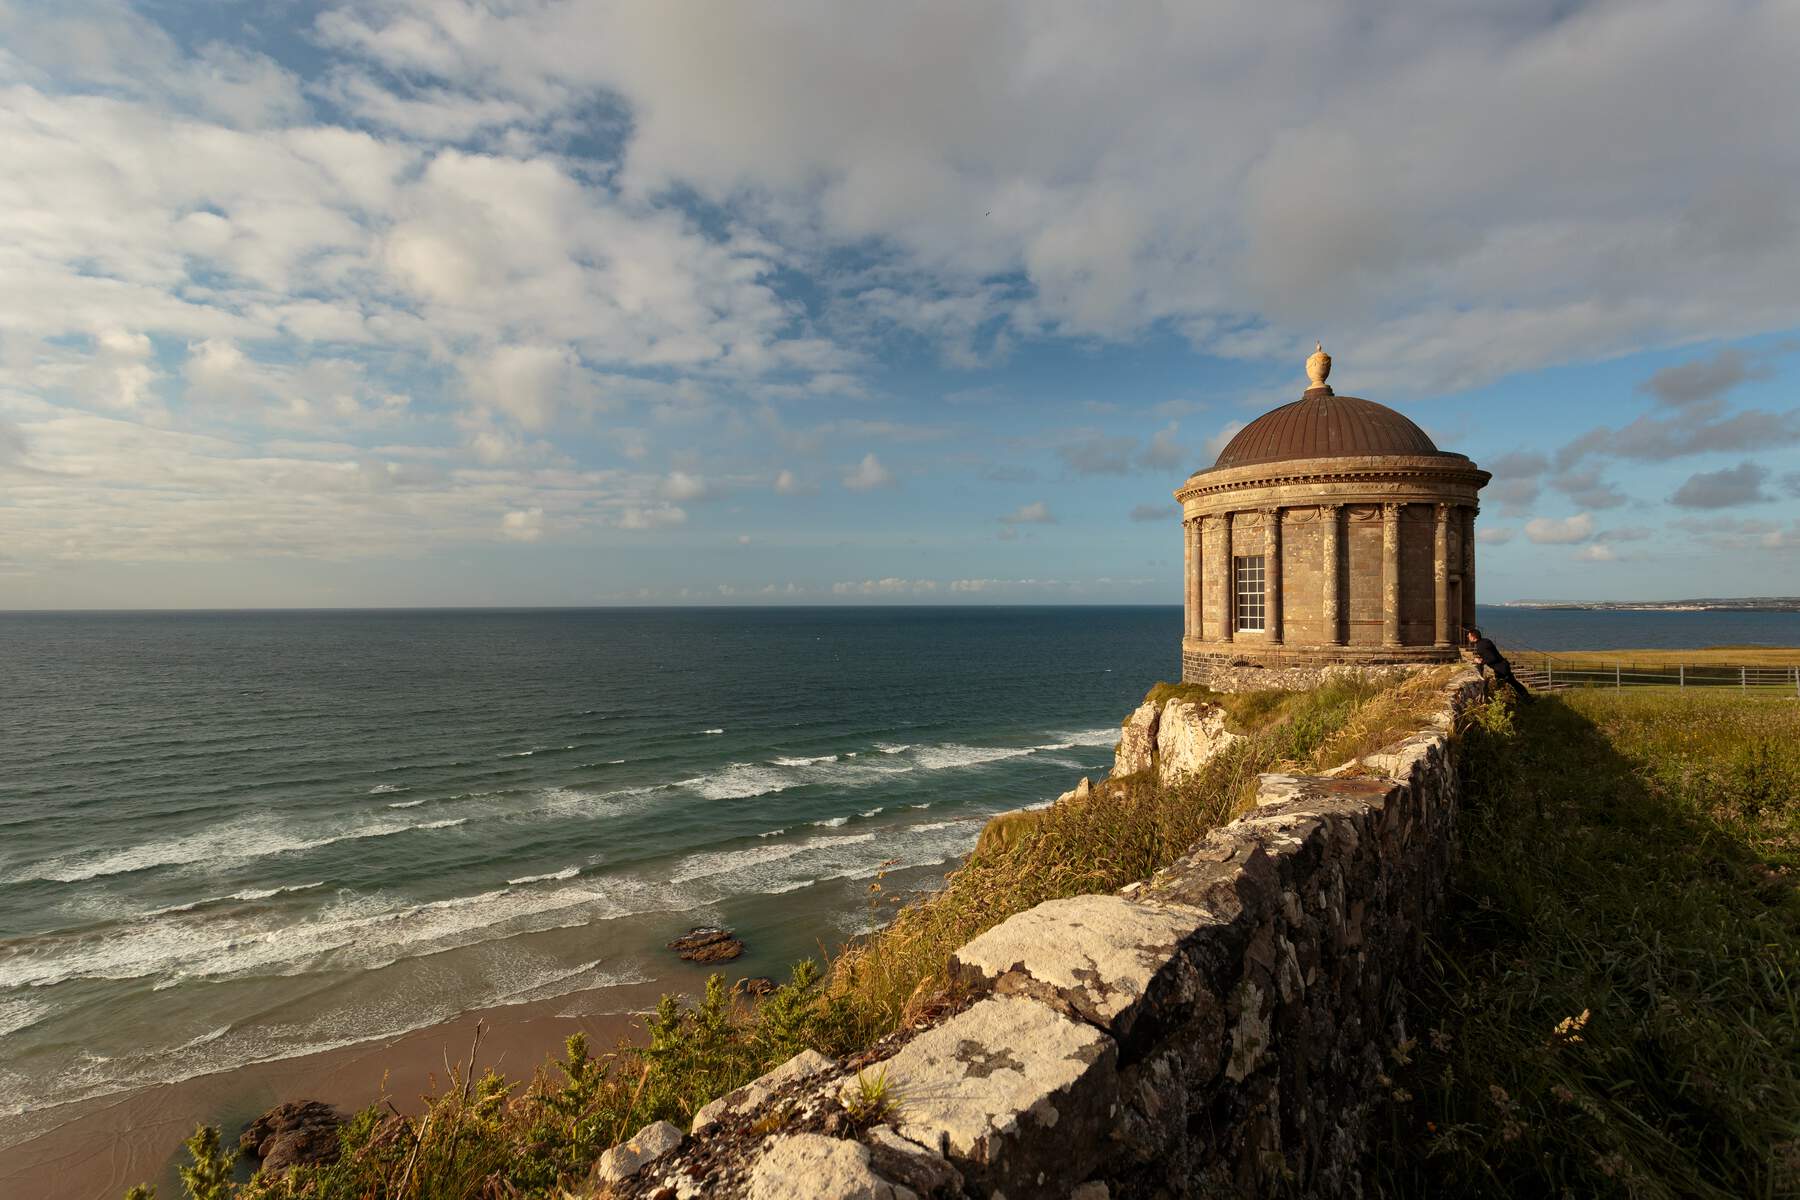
[{"x": 425, "y": 302}]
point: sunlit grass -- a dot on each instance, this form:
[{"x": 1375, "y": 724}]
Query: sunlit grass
[{"x": 1614, "y": 1006}]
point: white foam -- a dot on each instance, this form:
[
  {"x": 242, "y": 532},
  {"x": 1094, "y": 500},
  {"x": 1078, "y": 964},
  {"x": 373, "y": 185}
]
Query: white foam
[
  {"x": 742, "y": 864},
  {"x": 871, "y": 812},
  {"x": 236, "y": 842},
  {"x": 383, "y": 789},
  {"x": 1104, "y": 736},
  {"x": 20, "y": 1012},
  {"x": 565, "y": 873},
  {"x": 892, "y": 747},
  {"x": 406, "y": 804},
  {"x": 707, "y": 732},
  {"x": 265, "y": 893},
  {"x": 523, "y": 753},
  {"x": 832, "y": 822},
  {"x": 741, "y": 780},
  {"x": 772, "y": 833},
  {"x": 952, "y": 755},
  {"x": 804, "y": 762}
]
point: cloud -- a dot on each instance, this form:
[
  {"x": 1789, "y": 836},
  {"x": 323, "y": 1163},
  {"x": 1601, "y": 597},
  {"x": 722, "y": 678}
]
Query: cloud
[
  {"x": 1164, "y": 453},
  {"x": 1724, "y": 488},
  {"x": 1625, "y": 533},
  {"x": 1559, "y": 531},
  {"x": 868, "y": 475},
  {"x": 639, "y": 518},
  {"x": 1595, "y": 553},
  {"x": 1035, "y": 513},
  {"x": 12, "y": 443},
  {"x": 681, "y": 487},
  {"x": 1702, "y": 379},
  {"x": 1215, "y": 445},
  {"x": 1495, "y": 535},
  {"x": 1700, "y": 427},
  {"x": 1585, "y": 488},
  {"x": 1517, "y": 479},
  {"x": 1155, "y": 512},
  {"x": 788, "y": 484},
  {"x": 1098, "y": 454},
  {"x": 883, "y": 587},
  {"x": 525, "y": 525}
]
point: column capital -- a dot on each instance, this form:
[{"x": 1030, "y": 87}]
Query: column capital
[{"x": 1390, "y": 510}]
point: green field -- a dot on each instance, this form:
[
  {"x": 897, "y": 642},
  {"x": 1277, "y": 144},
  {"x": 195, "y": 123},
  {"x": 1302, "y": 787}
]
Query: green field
[
  {"x": 1613, "y": 1006},
  {"x": 1708, "y": 656}
]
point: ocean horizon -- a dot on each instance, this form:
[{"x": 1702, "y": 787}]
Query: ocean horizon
[{"x": 237, "y": 836}]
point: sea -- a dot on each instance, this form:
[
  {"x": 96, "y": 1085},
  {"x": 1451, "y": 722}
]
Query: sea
[{"x": 232, "y": 837}]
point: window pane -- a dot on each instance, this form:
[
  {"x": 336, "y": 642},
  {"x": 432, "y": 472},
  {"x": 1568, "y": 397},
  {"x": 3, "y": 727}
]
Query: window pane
[{"x": 1249, "y": 579}]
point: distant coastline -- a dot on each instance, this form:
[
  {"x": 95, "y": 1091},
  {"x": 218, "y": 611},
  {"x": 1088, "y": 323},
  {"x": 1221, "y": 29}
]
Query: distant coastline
[{"x": 1774, "y": 604}]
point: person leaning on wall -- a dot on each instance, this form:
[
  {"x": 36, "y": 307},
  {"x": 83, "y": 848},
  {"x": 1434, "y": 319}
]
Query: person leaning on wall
[{"x": 1487, "y": 657}]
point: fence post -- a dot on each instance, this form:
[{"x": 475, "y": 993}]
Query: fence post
[
  {"x": 1550, "y": 672},
  {"x": 1616, "y": 684},
  {"x": 1743, "y": 679},
  {"x": 1681, "y": 673}
]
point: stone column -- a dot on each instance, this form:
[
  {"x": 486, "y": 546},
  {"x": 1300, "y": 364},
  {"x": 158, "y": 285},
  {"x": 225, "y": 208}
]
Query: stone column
[
  {"x": 1187, "y": 577},
  {"x": 1390, "y": 574},
  {"x": 1228, "y": 610},
  {"x": 1331, "y": 514},
  {"x": 1440, "y": 575},
  {"x": 1272, "y": 575},
  {"x": 1468, "y": 587},
  {"x": 1195, "y": 599}
]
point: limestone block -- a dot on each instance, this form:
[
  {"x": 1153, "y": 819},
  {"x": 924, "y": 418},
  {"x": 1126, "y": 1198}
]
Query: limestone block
[
  {"x": 1017, "y": 1095},
  {"x": 803, "y": 1065},
  {"x": 628, "y": 1158},
  {"x": 810, "y": 1166},
  {"x": 1188, "y": 735},
  {"x": 1137, "y": 748},
  {"x": 1103, "y": 959}
]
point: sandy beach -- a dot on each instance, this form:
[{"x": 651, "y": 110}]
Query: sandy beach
[{"x": 104, "y": 1146}]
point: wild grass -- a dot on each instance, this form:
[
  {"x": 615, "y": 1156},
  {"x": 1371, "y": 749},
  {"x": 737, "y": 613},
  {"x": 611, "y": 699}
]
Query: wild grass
[
  {"x": 486, "y": 1137},
  {"x": 1613, "y": 1008}
]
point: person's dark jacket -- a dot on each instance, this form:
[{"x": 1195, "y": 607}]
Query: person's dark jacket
[{"x": 1488, "y": 653}]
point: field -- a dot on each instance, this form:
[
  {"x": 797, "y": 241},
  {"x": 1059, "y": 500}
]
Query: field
[
  {"x": 1709, "y": 656},
  {"x": 1613, "y": 1007}
]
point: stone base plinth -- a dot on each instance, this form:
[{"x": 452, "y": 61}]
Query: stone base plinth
[{"x": 1242, "y": 667}]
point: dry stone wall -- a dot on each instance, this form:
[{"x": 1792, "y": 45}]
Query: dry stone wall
[{"x": 1216, "y": 1030}]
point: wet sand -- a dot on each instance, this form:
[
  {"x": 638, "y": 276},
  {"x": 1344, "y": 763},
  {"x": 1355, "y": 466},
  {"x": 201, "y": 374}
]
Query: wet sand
[{"x": 103, "y": 1146}]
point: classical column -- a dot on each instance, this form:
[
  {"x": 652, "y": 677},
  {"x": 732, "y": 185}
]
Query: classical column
[
  {"x": 1334, "y": 632},
  {"x": 1272, "y": 575},
  {"x": 1190, "y": 537},
  {"x": 1440, "y": 574},
  {"x": 1228, "y": 610},
  {"x": 1468, "y": 587},
  {"x": 1390, "y": 574}
]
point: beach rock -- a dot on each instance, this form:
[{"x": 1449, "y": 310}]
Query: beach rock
[
  {"x": 628, "y": 1158},
  {"x": 1137, "y": 748},
  {"x": 754, "y": 985},
  {"x": 707, "y": 945},
  {"x": 293, "y": 1134},
  {"x": 1188, "y": 735}
]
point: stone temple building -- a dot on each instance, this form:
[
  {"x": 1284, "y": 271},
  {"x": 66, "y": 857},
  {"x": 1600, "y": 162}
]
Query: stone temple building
[{"x": 1331, "y": 530}]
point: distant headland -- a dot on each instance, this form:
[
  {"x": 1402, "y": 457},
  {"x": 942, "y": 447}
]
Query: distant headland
[{"x": 1714, "y": 604}]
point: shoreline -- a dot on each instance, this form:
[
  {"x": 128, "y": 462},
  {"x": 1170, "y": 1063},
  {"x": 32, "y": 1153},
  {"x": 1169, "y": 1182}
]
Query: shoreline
[{"x": 108, "y": 1143}]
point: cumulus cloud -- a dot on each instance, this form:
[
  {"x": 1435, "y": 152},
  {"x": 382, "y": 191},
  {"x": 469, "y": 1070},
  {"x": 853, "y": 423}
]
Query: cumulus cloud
[
  {"x": 1726, "y": 488},
  {"x": 1155, "y": 512},
  {"x": 789, "y": 484},
  {"x": 1558, "y": 531},
  {"x": 883, "y": 587},
  {"x": 1495, "y": 535},
  {"x": 1703, "y": 379},
  {"x": 868, "y": 475},
  {"x": 1597, "y": 552},
  {"x": 1164, "y": 453},
  {"x": 639, "y": 518},
  {"x": 1035, "y": 513},
  {"x": 524, "y": 525},
  {"x": 681, "y": 487}
]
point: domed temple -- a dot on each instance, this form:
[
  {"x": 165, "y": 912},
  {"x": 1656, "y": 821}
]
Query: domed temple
[{"x": 1330, "y": 530}]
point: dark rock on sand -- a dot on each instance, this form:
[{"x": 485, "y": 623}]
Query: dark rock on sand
[
  {"x": 293, "y": 1135},
  {"x": 754, "y": 985},
  {"x": 707, "y": 945}
]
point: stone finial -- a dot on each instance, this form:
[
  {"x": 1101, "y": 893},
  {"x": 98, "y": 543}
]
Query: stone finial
[{"x": 1318, "y": 367}]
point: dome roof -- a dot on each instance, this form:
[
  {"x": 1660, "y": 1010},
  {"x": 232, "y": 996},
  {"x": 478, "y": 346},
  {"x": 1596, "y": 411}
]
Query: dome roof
[{"x": 1323, "y": 425}]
